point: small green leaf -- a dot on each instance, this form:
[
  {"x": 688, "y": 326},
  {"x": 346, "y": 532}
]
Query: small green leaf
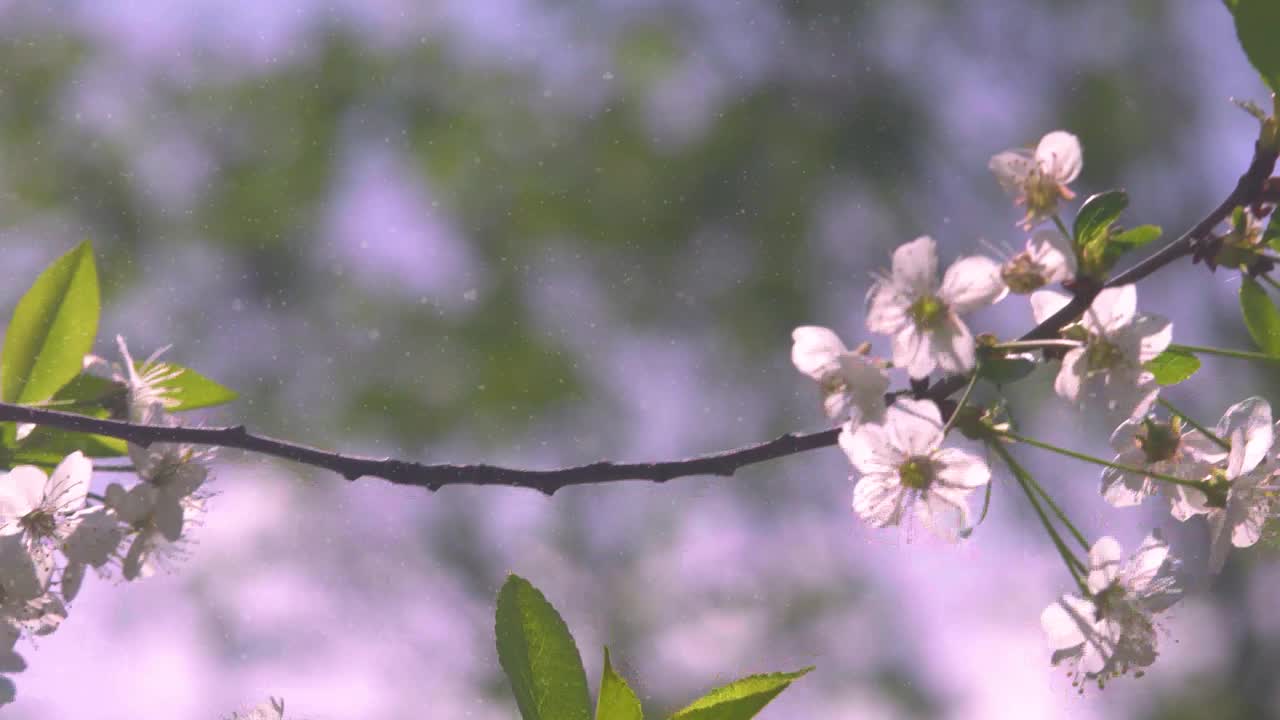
[
  {"x": 739, "y": 700},
  {"x": 1260, "y": 316},
  {"x": 1257, "y": 26},
  {"x": 1271, "y": 235},
  {"x": 192, "y": 390},
  {"x": 52, "y": 329},
  {"x": 1173, "y": 366},
  {"x": 617, "y": 701},
  {"x": 1003, "y": 370},
  {"x": 87, "y": 389},
  {"x": 539, "y": 656},
  {"x": 1134, "y": 238},
  {"x": 1096, "y": 216}
]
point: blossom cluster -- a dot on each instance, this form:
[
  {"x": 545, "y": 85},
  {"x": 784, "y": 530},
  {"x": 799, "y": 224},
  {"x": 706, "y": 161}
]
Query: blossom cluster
[
  {"x": 896, "y": 442},
  {"x": 53, "y": 528}
]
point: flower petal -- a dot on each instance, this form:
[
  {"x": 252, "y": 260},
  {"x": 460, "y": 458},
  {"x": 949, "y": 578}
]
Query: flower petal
[
  {"x": 957, "y": 468},
  {"x": 815, "y": 351},
  {"x": 1052, "y": 251},
  {"x": 69, "y": 483},
  {"x": 1066, "y": 621},
  {"x": 1044, "y": 303},
  {"x": 914, "y": 426},
  {"x": 952, "y": 345},
  {"x": 21, "y": 491},
  {"x": 1250, "y": 421},
  {"x": 1112, "y": 309},
  {"x": 915, "y": 266},
  {"x": 1104, "y": 563},
  {"x": 1060, "y": 156},
  {"x": 971, "y": 283},
  {"x": 868, "y": 449},
  {"x": 1011, "y": 169},
  {"x": 879, "y": 500}
]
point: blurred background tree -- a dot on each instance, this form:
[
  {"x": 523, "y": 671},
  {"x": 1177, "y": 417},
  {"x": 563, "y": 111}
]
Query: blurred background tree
[{"x": 543, "y": 232}]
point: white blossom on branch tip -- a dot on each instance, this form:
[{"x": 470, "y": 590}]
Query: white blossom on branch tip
[
  {"x": 922, "y": 316},
  {"x": 1106, "y": 370},
  {"x": 1252, "y": 491},
  {"x": 1047, "y": 259},
  {"x": 1113, "y": 631},
  {"x": 904, "y": 470},
  {"x": 851, "y": 383},
  {"x": 1163, "y": 448},
  {"x": 41, "y": 508},
  {"x": 1038, "y": 179}
]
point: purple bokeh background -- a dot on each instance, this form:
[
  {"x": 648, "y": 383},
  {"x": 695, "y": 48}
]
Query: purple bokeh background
[{"x": 345, "y": 598}]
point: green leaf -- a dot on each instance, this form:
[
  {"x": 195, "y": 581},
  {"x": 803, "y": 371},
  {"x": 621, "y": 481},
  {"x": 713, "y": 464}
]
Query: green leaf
[
  {"x": 1002, "y": 370},
  {"x": 1271, "y": 235},
  {"x": 52, "y": 329},
  {"x": 740, "y": 699},
  {"x": 1260, "y": 316},
  {"x": 616, "y": 701},
  {"x": 1134, "y": 238},
  {"x": 1173, "y": 366},
  {"x": 192, "y": 390},
  {"x": 1257, "y": 27},
  {"x": 1096, "y": 216},
  {"x": 538, "y": 655},
  {"x": 87, "y": 389}
]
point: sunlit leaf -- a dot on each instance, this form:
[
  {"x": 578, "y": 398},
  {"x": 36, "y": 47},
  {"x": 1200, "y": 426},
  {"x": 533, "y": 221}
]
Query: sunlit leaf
[
  {"x": 1260, "y": 316},
  {"x": 741, "y": 699},
  {"x": 52, "y": 329},
  {"x": 617, "y": 701},
  {"x": 1096, "y": 216},
  {"x": 1257, "y": 26},
  {"x": 539, "y": 656},
  {"x": 192, "y": 390},
  {"x": 1173, "y": 366}
]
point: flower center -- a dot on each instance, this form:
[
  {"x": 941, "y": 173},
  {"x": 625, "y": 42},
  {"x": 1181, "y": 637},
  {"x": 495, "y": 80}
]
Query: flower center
[
  {"x": 1101, "y": 355},
  {"x": 1022, "y": 274},
  {"x": 916, "y": 473},
  {"x": 927, "y": 310},
  {"x": 1042, "y": 193},
  {"x": 1160, "y": 441},
  {"x": 39, "y": 524}
]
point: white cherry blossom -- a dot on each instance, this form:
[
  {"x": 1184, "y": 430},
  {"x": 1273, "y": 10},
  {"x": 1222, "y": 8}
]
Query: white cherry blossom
[
  {"x": 144, "y": 383},
  {"x": 1159, "y": 447},
  {"x": 905, "y": 470},
  {"x": 1047, "y": 259},
  {"x": 1113, "y": 630},
  {"x": 852, "y": 384},
  {"x": 1038, "y": 179},
  {"x": 1106, "y": 370},
  {"x": 93, "y": 541},
  {"x": 40, "y": 508},
  {"x": 1252, "y": 491},
  {"x": 922, "y": 316}
]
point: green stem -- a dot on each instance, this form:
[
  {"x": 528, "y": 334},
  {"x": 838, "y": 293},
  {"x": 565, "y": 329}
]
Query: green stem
[
  {"x": 964, "y": 398},
  {"x": 1079, "y": 536},
  {"x": 1062, "y": 228},
  {"x": 1269, "y": 280},
  {"x": 1224, "y": 352},
  {"x": 1099, "y": 461},
  {"x": 1036, "y": 344},
  {"x": 1073, "y": 563},
  {"x": 1203, "y": 430}
]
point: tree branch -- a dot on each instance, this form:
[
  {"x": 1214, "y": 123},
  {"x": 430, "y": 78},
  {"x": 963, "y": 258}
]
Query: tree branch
[
  {"x": 430, "y": 476},
  {"x": 1249, "y": 190}
]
